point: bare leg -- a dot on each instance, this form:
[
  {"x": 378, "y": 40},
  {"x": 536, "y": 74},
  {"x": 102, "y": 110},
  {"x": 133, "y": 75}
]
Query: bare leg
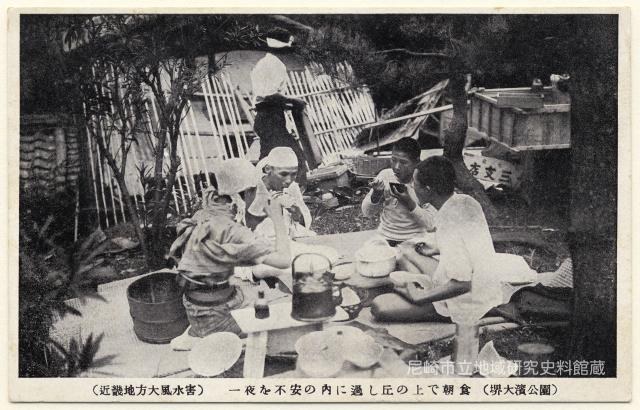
[
  {"x": 413, "y": 262},
  {"x": 391, "y": 307}
]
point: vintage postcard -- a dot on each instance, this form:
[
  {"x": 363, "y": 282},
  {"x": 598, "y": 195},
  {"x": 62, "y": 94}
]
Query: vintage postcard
[{"x": 319, "y": 205}]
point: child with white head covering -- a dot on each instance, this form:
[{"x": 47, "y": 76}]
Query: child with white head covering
[{"x": 216, "y": 240}]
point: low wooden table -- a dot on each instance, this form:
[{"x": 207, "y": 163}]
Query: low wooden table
[{"x": 257, "y": 330}]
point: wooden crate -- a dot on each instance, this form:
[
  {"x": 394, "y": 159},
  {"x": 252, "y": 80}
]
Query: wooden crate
[
  {"x": 368, "y": 166},
  {"x": 518, "y": 128}
]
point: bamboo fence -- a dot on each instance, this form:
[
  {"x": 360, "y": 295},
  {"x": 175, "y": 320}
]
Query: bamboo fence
[{"x": 337, "y": 111}]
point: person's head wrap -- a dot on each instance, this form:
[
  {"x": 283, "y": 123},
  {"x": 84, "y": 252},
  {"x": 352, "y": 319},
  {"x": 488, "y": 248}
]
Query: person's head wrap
[
  {"x": 234, "y": 176},
  {"x": 280, "y": 157},
  {"x": 268, "y": 77}
]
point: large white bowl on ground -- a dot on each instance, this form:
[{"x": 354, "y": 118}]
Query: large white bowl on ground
[
  {"x": 214, "y": 354},
  {"x": 319, "y": 354},
  {"x": 322, "y": 353}
]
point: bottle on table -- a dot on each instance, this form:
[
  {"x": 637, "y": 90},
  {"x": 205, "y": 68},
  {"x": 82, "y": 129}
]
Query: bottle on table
[{"x": 261, "y": 307}]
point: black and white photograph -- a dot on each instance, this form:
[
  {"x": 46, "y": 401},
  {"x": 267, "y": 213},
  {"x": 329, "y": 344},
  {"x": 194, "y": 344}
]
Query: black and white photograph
[{"x": 322, "y": 205}]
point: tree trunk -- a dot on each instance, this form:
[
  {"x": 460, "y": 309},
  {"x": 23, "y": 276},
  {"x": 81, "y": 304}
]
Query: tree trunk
[
  {"x": 454, "y": 139},
  {"x": 133, "y": 214},
  {"x": 88, "y": 218},
  {"x": 594, "y": 196},
  {"x": 594, "y": 226},
  {"x": 157, "y": 249},
  {"x": 135, "y": 220}
]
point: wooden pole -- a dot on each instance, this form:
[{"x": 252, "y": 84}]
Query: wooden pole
[
  {"x": 310, "y": 149},
  {"x": 410, "y": 116},
  {"x": 93, "y": 172},
  {"x": 245, "y": 107},
  {"x": 107, "y": 146}
]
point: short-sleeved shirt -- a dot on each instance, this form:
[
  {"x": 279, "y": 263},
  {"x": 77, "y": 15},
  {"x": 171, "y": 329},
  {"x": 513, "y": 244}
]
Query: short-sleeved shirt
[{"x": 466, "y": 254}]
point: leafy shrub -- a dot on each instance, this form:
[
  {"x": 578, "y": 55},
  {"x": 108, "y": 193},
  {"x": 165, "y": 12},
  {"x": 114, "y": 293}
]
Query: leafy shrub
[{"x": 46, "y": 280}]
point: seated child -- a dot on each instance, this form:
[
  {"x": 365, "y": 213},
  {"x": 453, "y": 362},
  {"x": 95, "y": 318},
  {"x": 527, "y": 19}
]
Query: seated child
[
  {"x": 402, "y": 216},
  {"x": 217, "y": 239}
]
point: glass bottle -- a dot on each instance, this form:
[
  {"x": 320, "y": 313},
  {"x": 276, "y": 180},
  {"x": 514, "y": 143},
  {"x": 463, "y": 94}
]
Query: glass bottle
[{"x": 261, "y": 307}]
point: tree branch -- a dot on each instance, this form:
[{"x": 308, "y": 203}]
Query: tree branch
[
  {"x": 291, "y": 22},
  {"x": 412, "y": 53}
]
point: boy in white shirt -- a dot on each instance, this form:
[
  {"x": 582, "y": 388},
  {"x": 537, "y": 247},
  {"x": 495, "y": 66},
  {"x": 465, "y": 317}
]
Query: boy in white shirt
[{"x": 402, "y": 217}]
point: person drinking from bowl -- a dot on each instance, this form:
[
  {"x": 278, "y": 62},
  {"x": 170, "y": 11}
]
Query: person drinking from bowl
[
  {"x": 392, "y": 191},
  {"x": 280, "y": 170}
]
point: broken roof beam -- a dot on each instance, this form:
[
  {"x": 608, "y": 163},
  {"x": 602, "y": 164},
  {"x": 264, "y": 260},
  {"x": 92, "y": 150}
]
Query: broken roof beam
[{"x": 410, "y": 116}]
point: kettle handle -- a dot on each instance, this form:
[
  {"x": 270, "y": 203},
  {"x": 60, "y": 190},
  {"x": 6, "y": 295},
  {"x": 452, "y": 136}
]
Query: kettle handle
[
  {"x": 310, "y": 253},
  {"x": 336, "y": 293}
]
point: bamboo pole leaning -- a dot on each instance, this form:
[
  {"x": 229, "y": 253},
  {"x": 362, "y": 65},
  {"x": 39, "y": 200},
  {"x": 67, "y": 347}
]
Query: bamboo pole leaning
[
  {"x": 215, "y": 132},
  {"x": 325, "y": 146},
  {"x": 199, "y": 144},
  {"x": 233, "y": 98},
  {"x": 119, "y": 136},
  {"x": 316, "y": 118},
  {"x": 187, "y": 138},
  {"x": 224, "y": 102},
  {"x": 218, "y": 115},
  {"x": 234, "y": 117},
  {"x": 93, "y": 171},
  {"x": 106, "y": 174},
  {"x": 339, "y": 120},
  {"x": 326, "y": 108},
  {"x": 323, "y": 122},
  {"x": 114, "y": 136}
]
